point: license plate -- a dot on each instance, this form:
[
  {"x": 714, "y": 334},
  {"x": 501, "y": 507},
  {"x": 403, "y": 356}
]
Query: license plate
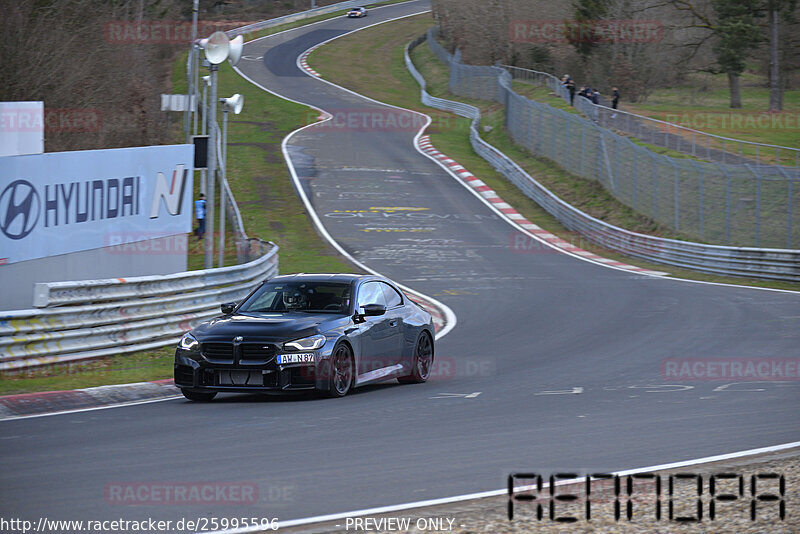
[
  {"x": 302, "y": 357},
  {"x": 240, "y": 378}
]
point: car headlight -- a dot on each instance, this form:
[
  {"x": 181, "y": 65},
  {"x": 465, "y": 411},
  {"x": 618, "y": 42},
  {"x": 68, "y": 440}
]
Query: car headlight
[
  {"x": 188, "y": 342},
  {"x": 306, "y": 343}
]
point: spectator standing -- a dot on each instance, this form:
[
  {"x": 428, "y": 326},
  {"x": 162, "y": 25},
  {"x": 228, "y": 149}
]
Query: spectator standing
[
  {"x": 614, "y": 101},
  {"x": 571, "y": 89},
  {"x": 200, "y": 214}
]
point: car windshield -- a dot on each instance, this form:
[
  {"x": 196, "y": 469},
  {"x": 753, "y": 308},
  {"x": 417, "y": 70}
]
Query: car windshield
[{"x": 302, "y": 297}]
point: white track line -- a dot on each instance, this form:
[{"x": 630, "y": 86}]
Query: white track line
[{"x": 92, "y": 409}]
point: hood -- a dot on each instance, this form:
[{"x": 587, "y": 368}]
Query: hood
[{"x": 275, "y": 327}]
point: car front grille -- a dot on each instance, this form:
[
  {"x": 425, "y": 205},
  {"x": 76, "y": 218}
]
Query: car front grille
[
  {"x": 245, "y": 353},
  {"x": 256, "y": 352},
  {"x": 218, "y": 352}
]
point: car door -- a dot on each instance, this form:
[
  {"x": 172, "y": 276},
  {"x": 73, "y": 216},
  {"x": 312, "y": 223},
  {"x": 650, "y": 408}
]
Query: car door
[
  {"x": 374, "y": 330},
  {"x": 395, "y": 312}
]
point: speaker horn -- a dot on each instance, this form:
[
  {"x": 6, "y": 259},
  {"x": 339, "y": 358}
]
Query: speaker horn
[
  {"x": 234, "y": 103},
  {"x": 217, "y": 48},
  {"x": 235, "y": 53}
]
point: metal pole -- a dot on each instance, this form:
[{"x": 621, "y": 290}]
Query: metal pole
[
  {"x": 187, "y": 108},
  {"x": 204, "y": 172},
  {"x": 195, "y": 92},
  {"x": 222, "y": 189},
  {"x": 212, "y": 167},
  {"x": 192, "y": 70}
]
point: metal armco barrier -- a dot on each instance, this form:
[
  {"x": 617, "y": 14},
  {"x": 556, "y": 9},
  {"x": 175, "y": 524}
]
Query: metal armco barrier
[
  {"x": 776, "y": 264},
  {"x": 92, "y": 318}
]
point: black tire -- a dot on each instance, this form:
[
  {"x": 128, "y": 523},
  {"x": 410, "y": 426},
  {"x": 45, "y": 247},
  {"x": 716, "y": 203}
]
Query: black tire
[
  {"x": 341, "y": 370},
  {"x": 423, "y": 359},
  {"x": 199, "y": 396}
]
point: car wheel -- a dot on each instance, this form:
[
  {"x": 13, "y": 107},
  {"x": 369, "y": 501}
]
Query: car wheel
[
  {"x": 198, "y": 396},
  {"x": 423, "y": 359},
  {"x": 341, "y": 371}
]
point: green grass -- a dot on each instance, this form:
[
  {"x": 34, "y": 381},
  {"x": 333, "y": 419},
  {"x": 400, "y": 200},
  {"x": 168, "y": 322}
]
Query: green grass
[
  {"x": 346, "y": 61},
  {"x": 138, "y": 367}
]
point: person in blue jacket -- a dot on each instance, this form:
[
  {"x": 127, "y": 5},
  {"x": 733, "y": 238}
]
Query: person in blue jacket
[{"x": 200, "y": 214}]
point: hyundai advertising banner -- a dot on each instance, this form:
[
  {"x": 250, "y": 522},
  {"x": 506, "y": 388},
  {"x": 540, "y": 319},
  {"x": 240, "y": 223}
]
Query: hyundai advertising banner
[{"x": 63, "y": 202}]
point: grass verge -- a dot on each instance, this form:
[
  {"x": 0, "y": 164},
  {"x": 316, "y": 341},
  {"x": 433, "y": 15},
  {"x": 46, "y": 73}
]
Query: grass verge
[{"x": 347, "y": 62}]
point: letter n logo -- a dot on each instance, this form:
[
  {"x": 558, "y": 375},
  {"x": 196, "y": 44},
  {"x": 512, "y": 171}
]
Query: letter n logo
[{"x": 172, "y": 193}]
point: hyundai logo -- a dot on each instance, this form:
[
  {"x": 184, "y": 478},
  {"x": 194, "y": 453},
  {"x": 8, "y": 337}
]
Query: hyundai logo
[{"x": 19, "y": 209}]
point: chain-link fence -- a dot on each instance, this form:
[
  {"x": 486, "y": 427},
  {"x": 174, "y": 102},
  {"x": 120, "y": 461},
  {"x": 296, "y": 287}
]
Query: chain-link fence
[
  {"x": 714, "y": 202},
  {"x": 681, "y": 138}
]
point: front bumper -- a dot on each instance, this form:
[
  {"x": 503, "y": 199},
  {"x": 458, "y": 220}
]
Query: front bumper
[{"x": 197, "y": 373}]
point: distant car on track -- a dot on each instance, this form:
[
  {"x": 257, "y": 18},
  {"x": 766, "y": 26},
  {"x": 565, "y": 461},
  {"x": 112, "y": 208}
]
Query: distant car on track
[
  {"x": 323, "y": 332},
  {"x": 357, "y": 12}
]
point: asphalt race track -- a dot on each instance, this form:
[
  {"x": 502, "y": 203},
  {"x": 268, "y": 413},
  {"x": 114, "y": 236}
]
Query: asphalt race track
[{"x": 567, "y": 356}]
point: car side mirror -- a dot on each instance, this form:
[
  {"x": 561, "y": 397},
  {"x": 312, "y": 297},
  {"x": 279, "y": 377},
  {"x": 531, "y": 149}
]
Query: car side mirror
[
  {"x": 373, "y": 310},
  {"x": 228, "y": 307}
]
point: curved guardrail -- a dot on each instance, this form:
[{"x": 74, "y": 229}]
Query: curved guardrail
[
  {"x": 92, "y": 318},
  {"x": 777, "y": 264}
]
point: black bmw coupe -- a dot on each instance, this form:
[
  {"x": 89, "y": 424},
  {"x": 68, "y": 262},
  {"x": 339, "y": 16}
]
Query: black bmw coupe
[{"x": 324, "y": 332}]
